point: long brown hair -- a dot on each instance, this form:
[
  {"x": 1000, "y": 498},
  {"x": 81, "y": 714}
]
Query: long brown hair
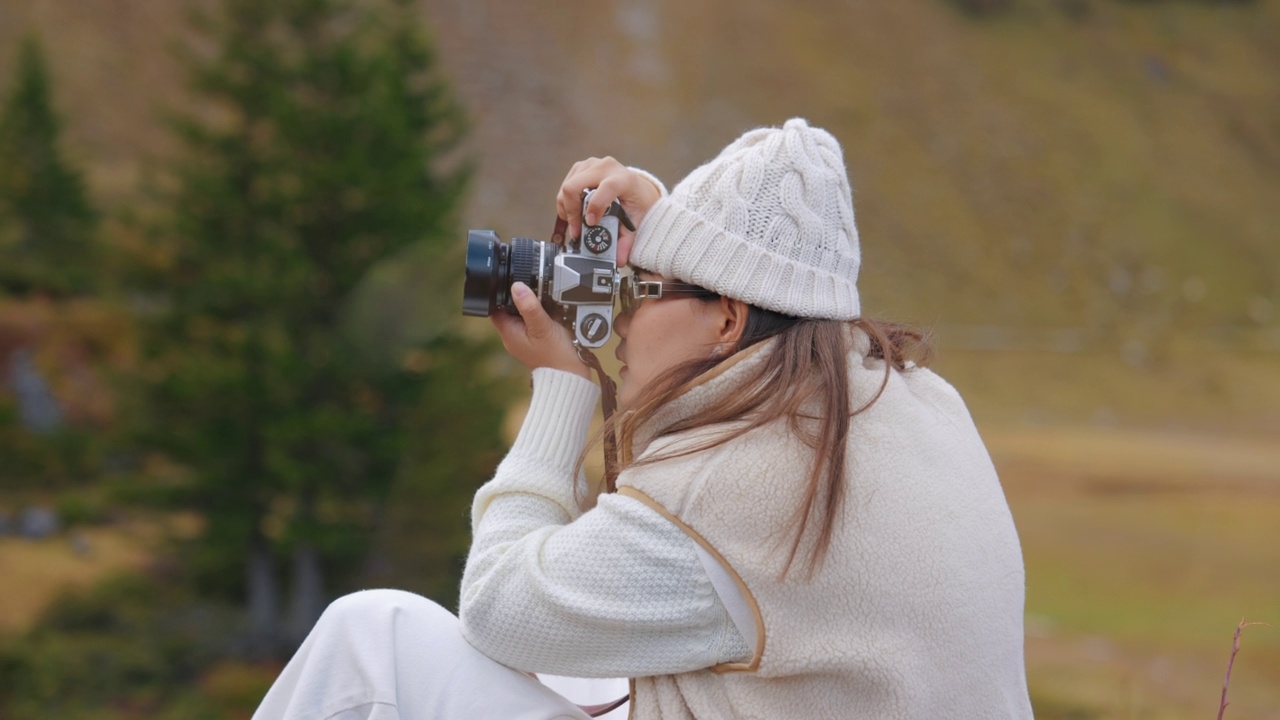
[{"x": 805, "y": 379}]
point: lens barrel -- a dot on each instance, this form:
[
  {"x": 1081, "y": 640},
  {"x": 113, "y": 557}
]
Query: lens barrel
[
  {"x": 492, "y": 266},
  {"x": 525, "y": 263}
]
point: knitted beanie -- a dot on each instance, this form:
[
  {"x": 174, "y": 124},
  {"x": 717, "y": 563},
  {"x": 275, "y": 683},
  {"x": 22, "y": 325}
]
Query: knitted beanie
[{"x": 769, "y": 221}]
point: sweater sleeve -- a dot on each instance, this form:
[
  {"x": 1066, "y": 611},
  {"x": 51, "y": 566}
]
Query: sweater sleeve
[
  {"x": 616, "y": 591},
  {"x": 662, "y": 189}
]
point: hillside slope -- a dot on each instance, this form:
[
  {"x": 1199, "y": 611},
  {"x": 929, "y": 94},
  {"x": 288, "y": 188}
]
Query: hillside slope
[{"x": 1099, "y": 184}]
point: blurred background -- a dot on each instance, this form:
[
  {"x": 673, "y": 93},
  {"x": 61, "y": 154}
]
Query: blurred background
[{"x": 235, "y": 381}]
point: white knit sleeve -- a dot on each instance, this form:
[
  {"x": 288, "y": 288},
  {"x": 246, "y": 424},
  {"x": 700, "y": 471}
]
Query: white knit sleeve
[
  {"x": 616, "y": 592},
  {"x": 662, "y": 189}
]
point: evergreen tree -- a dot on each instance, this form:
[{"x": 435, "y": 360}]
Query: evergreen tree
[
  {"x": 329, "y": 148},
  {"x": 46, "y": 222}
]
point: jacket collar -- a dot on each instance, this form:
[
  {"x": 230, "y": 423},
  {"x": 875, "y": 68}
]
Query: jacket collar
[
  {"x": 701, "y": 392},
  {"x": 715, "y": 384}
]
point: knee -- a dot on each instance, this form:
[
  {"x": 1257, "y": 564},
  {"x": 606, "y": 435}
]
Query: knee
[
  {"x": 365, "y": 605},
  {"x": 378, "y": 620}
]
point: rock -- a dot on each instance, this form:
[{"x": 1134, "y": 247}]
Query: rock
[
  {"x": 80, "y": 544},
  {"x": 38, "y": 410},
  {"x": 38, "y": 523}
]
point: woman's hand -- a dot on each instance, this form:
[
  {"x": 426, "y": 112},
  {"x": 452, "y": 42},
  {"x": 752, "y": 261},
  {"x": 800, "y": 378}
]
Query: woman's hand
[
  {"x": 534, "y": 338},
  {"x": 611, "y": 180}
]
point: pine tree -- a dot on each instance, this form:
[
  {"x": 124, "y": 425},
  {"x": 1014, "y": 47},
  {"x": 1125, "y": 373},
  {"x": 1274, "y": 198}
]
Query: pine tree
[
  {"x": 47, "y": 225},
  {"x": 333, "y": 148}
]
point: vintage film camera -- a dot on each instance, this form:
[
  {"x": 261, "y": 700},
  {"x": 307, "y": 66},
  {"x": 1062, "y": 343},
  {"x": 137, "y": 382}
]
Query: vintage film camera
[{"x": 576, "y": 283}]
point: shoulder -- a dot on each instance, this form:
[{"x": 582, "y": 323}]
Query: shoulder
[{"x": 912, "y": 391}]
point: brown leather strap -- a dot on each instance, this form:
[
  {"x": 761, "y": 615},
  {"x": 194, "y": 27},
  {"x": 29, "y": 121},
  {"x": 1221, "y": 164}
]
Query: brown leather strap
[
  {"x": 608, "y": 404},
  {"x": 560, "y": 230},
  {"x": 602, "y": 708}
]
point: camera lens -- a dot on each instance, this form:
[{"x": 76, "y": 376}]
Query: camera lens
[
  {"x": 492, "y": 266},
  {"x": 486, "y": 274}
]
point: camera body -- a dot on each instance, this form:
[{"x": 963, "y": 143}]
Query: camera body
[{"x": 576, "y": 283}]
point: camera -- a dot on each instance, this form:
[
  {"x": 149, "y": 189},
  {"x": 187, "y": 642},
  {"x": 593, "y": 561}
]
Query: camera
[{"x": 576, "y": 283}]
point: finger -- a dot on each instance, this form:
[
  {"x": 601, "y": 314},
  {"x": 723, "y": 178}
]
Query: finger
[
  {"x": 569, "y": 206},
  {"x": 564, "y": 209},
  {"x": 536, "y": 321},
  {"x": 600, "y": 200},
  {"x": 510, "y": 328},
  {"x": 574, "y": 168},
  {"x": 504, "y": 320},
  {"x": 615, "y": 186},
  {"x": 624, "y": 247},
  {"x": 569, "y": 199},
  {"x": 586, "y": 174}
]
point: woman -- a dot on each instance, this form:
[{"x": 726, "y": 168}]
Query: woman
[{"x": 806, "y": 523}]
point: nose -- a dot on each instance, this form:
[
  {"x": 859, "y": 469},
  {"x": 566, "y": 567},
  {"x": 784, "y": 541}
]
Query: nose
[{"x": 621, "y": 324}]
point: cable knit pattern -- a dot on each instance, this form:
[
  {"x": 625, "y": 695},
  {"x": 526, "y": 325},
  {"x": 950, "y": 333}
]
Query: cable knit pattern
[
  {"x": 615, "y": 592},
  {"x": 769, "y": 221}
]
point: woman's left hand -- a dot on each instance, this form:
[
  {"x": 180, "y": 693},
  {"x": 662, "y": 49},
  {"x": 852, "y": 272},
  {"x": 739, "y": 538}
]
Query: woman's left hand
[
  {"x": 535, "y": 338},
  {"x": 611, "y": 179}
]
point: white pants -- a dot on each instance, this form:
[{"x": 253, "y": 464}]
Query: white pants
[{"x": 393, "y": 655}]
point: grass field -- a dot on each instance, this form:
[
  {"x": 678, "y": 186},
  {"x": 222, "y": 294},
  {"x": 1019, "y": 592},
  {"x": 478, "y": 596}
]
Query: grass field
[
  {"x": 1143, "y": 552},
  {"x": 34, "y": 572}
]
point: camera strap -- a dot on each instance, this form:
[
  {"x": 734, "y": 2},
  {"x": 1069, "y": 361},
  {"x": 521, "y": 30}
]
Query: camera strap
[{"x": 608, "y": 404}]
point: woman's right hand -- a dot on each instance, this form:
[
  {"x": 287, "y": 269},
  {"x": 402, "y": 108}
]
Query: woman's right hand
[
  {"x": 534, "y": 338},
  {"x": 611, "y": 180}
]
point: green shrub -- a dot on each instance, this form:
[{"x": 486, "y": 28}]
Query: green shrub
[{"x": 81, "y": 508}]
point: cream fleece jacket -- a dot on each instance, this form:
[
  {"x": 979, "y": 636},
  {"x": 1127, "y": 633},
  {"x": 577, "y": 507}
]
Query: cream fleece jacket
[{"x": 916, "y": 614}]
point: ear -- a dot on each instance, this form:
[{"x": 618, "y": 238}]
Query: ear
[{"x": 731, "y": 322}]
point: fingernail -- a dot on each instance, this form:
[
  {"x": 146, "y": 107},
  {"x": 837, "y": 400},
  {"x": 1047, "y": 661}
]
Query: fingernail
[
  {"x": 520, "y": 291},
  {"x": 591, "y": 218}
]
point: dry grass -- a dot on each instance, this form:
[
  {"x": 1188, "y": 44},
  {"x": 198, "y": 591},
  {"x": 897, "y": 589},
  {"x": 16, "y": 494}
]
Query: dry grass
[
  {"x": 1085, "y": 460},
  {"x": 1197, "y": 390},
  {"x": 1143, "y": 551},
  {"x": 36, "y": 571}
]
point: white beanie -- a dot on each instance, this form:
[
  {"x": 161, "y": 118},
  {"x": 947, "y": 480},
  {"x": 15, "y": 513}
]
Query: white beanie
[{"x": 768, "y": 222}]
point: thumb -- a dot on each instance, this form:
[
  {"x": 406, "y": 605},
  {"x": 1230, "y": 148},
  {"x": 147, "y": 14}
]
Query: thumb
[{"x": 536, "y": 321}]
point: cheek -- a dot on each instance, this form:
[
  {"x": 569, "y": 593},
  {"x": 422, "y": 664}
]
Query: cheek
[
  {"x": 643, "y": 346},
  {"x": 662, "y": 340}
]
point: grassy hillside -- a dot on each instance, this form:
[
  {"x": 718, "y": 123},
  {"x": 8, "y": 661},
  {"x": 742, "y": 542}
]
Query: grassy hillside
[{"x": 1050, "y": 190}]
